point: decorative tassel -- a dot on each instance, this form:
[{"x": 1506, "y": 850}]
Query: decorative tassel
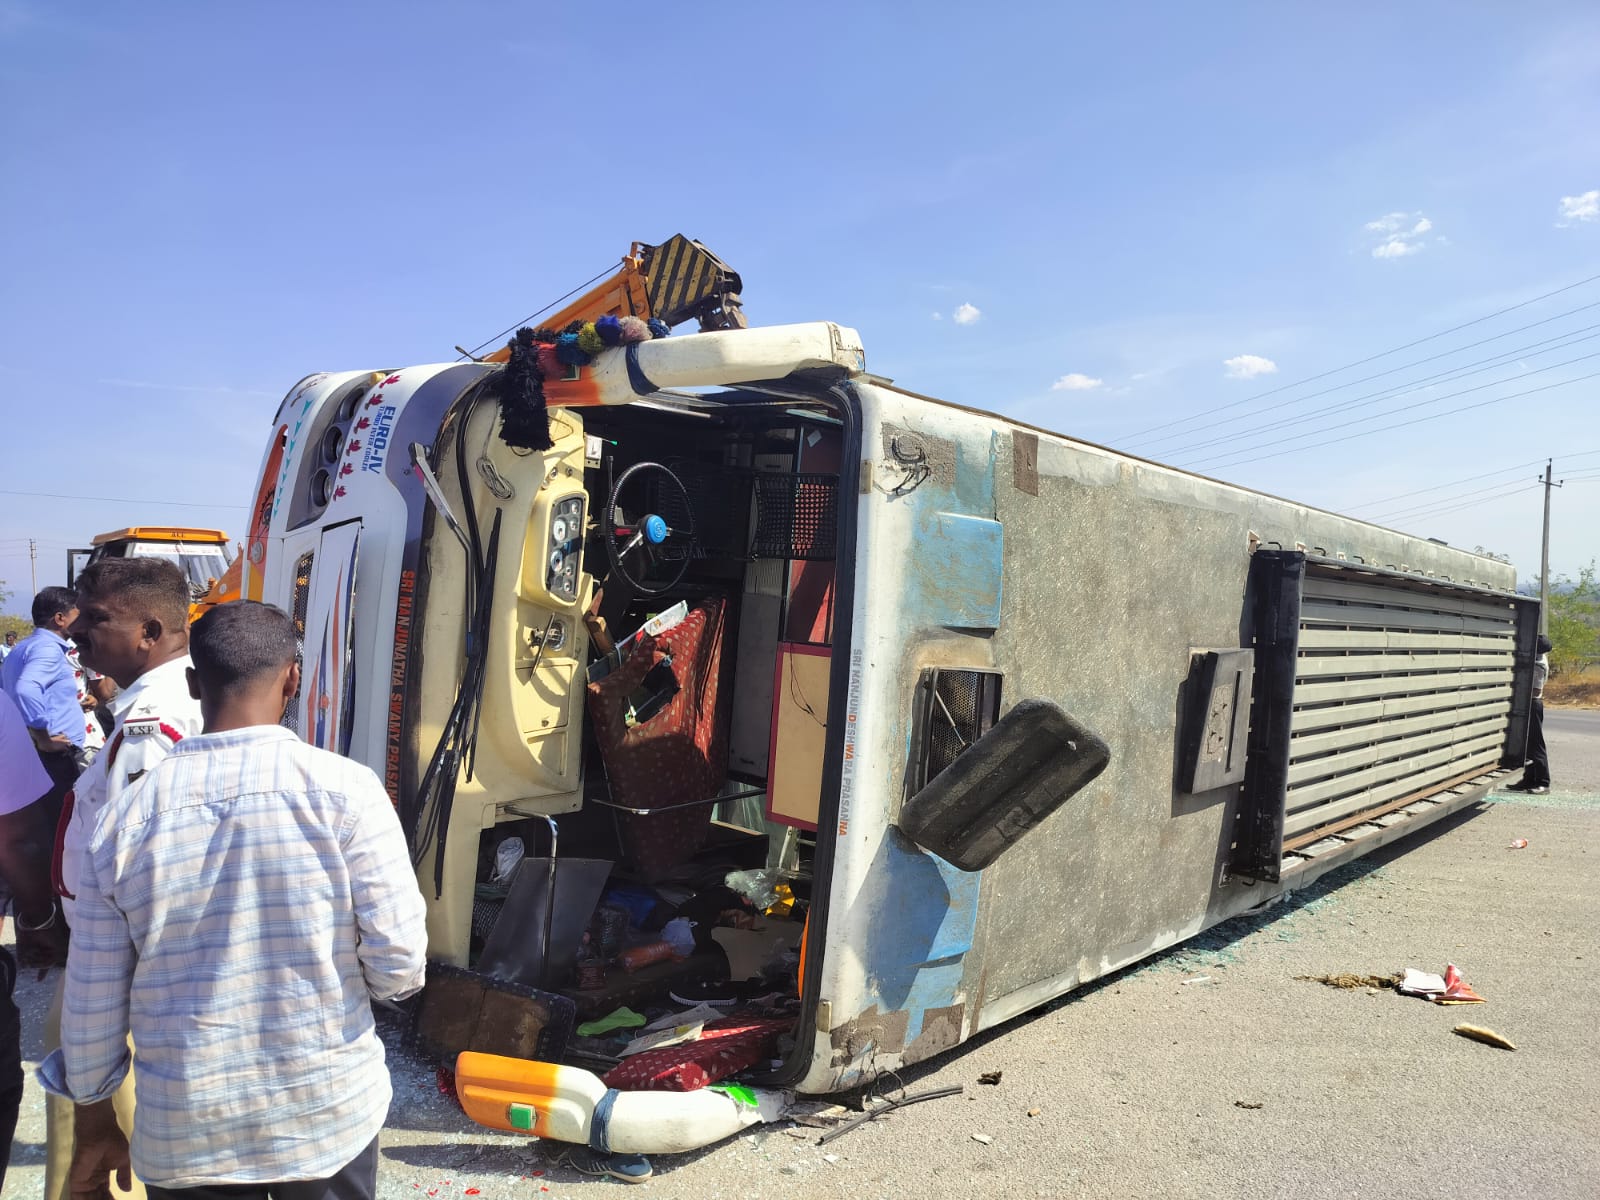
[
  {"x": 570, "y": 352},
  {"x": 589, "y": 340},
  {"x": 632, "y": 329},
  {"x": 610, "y": 330},
  {"x": 524, "y": 421},
  {"x": 659, "y": 328},
  {"x": 549, "y": 365}
]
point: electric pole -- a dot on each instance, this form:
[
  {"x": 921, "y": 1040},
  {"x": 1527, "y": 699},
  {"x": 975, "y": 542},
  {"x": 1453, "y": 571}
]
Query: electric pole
[
  {"x": 1544, "y": 554},
  {"x": 33, "y": 563}
]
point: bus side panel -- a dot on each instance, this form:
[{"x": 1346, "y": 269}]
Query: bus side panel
[{"x": 1114, "y": 572}]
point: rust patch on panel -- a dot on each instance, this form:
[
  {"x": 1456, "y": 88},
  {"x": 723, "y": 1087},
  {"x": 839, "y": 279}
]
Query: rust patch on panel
[
  {"x": 1025, "y": 462},
  {"x": 941, "y": 1029},
  {"x": 872, "y": 1031}
]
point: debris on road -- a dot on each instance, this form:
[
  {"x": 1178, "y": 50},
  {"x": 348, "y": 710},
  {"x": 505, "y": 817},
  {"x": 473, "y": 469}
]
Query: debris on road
[
  {"x": 872, "y": 1114},
  {"x": 982, "y": 1137},
  {"x": 1487, "y": 1036},
  {"x": 1197, "y": 979},
  {"x": 1034, "y": 1112},
  {"x": 1420, "y": 983},
  {"x": 1252, "y": 1104},
  {"x": 1351, "y": 982},
  {"x": 1456, "y": 989},
  {"x": 1518, "y": 844},
  {"x": 991, "y": 1077}
]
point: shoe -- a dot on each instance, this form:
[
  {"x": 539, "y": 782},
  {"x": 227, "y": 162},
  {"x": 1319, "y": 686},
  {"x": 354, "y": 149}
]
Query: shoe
[
  {"x": 630, "y": 1168},
  {"x": 1519, "y": 786},
  {"x": 1541, "y": 790}
]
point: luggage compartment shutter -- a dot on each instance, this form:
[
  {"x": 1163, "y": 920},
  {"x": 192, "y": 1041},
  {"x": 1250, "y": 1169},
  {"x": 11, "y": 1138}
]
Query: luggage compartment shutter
[{"x": 1402, "y": 687}]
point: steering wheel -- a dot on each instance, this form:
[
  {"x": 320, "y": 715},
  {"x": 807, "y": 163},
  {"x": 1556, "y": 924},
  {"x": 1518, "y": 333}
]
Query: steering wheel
[{"x": 665, "y": 550}]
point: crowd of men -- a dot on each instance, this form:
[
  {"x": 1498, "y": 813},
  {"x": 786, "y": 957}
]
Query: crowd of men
[{"x": 226, "y": 901}]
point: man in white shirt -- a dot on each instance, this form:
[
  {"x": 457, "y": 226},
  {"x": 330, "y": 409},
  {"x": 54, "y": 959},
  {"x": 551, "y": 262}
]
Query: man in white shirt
[
  {"x": 132, "y": 625},
  {"x": 8, "y": 645},
  {"x": 258, "y": 1062}
]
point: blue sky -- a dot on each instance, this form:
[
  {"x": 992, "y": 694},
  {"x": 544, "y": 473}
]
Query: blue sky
[{"x": 1102, "y": 219}]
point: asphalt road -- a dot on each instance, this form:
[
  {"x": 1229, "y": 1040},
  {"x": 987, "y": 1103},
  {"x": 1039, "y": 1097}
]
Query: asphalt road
[{"x": 1211, "y": 1071}]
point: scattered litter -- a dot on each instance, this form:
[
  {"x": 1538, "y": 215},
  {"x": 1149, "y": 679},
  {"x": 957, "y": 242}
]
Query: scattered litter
[
  {"x": 1420, "y": 983},
  {"x": 830, "y": 1159},
  {"x": 792, "y": 1168},
  {"x": 1449, "y": 988},
  {"x": 621, "y": 1018},
  {"x": 873, "y": 1114},
  {"x": 1456, "y": 990},
  {"x": 1487, "y": 1036},
  {"x": 990, "y": 1077},
  {"x": 661, "y": 1038},
  {"x": 1518, "y": 844},
  {"x": 1197, "y": 979},
  {"x": 1033, "y": 1112},
  {"x": 1252, "y": 1104},
  {"x": 798, "y": 1133},
  {"x": 1349, "y": 981},
  {"x": 982, "y": 1137}
]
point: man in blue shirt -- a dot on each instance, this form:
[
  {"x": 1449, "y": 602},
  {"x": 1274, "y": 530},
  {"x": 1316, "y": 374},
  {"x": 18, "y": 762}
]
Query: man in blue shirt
[{"x": 40, "y": 677}]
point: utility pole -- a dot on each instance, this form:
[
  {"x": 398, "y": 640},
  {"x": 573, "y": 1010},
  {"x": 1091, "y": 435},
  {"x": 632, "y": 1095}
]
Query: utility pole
[
  {"x": 33, "y": 561},
  {"x": 1544, "y": 554}
]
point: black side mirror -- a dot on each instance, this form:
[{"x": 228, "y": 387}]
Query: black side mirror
[{"x": 1033, "y": 761}]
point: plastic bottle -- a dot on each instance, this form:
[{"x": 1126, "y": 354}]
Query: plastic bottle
[{"x": 546, "y": 1100}]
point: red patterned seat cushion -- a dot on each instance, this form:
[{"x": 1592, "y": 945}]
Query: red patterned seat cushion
[
  {"x": 677, "y": 759},
  {"x": 724, "y": 1047}
]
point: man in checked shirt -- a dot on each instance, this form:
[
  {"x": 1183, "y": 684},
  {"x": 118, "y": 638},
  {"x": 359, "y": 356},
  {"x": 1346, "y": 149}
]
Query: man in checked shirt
[{"x": 264, "y": 892}]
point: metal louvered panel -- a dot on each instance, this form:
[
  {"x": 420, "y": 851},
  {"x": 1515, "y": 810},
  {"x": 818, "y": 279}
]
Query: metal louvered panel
[{"x": 1399, "y": 687}]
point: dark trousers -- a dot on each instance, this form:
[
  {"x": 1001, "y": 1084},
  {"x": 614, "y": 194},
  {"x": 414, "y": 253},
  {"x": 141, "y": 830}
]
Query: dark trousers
[
  {"x": 10, "y": 1059},
  {"x": 356, "y": 1180},
  {"x": 1537, "y": 772}
]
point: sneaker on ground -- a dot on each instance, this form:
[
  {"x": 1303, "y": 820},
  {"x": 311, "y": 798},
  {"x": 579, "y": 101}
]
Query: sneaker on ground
[
  {"x": 1541, "y": 790},
  {"x": 630, "y": 1168}
]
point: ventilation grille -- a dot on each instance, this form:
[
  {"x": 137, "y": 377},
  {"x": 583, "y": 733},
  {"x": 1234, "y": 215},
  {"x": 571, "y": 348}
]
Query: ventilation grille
[
  {"x": 955, "y": 709},
  {"x": 796, "y": 516},
  {"x": 1397, "y": 691}
]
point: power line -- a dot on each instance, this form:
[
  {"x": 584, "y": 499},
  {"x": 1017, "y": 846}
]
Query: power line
[
  {"x": 540, "y": 313},
  {"x": 1452, "y": 375},
  {"x": 1339, "y": 387},
  {"x": 1316, "y": 433},
  {"x": 1428, "y": 513},
  {"x": 1415, "y": 420},
  {"x": 1375, "y": 357},
  {"x": 1467, "y": 479},
  {"x": 124, "y": 500},
  {"x": 1405, "y": 513},
  {"x": 1407, "y": 408}
]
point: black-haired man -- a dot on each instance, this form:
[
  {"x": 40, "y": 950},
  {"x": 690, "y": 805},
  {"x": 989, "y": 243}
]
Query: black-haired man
[
  {"x": 132, "y": 625},
  {"x": 259, "y": 1067},
  {"x": 39, "y": 676}
]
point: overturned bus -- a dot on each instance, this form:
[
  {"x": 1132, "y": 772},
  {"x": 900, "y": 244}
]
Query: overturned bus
[{"x": 988, "y": 711}]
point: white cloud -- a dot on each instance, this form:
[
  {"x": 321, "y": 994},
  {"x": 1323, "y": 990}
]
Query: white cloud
[
  {"x": 1248, "y": 366},
  {"x": 1075, "y": 382},
  {"x": 967, "y": 314},
  {"x": 1580, "y": 208},
  {"x": 938, "y": 316},
  {"x": 1396, "y": 248},
  {"x": 1399, "y": 234}
]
